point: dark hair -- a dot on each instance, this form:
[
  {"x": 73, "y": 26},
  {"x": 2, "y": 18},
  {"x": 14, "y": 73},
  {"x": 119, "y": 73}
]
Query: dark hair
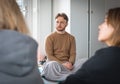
[
  {"x": 113, "y": 18},
  {"x": 62, "y": 15}
]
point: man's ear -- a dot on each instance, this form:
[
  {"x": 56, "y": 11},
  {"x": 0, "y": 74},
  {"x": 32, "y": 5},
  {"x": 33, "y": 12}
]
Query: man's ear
[{"x": 66, "y": 24}]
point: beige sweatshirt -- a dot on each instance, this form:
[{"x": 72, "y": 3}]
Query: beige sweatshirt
[{"x": 61, "y": 47}]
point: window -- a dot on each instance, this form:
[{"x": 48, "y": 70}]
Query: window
[{"x": 22, "y": 6}]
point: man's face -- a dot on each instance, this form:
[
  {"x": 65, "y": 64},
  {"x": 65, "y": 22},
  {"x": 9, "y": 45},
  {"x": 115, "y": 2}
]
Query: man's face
[{"x": 61, "y": 24}]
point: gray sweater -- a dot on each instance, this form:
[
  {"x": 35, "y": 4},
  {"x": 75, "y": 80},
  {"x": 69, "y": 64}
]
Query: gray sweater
[{"x": 18, "y": 61}]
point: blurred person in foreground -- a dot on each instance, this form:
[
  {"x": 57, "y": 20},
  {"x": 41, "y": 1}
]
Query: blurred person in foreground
[
  {"x": 104, "y": 66},
  {"x": 18, "y": 51}
]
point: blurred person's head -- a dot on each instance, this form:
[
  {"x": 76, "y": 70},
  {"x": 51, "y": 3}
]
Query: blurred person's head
[
  {"x": 109, "y": 30},
  {"x": 11, "y": 17}
]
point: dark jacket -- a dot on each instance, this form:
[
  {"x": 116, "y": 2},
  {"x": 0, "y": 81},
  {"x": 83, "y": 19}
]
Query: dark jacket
[
  {"x": 102, "y": 68},
  {"x": 18, "y": 61}
]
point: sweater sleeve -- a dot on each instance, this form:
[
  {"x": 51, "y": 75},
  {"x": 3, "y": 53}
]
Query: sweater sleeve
[
  {"x": 49, "y": 50},
  {"x": 72, "y": 51}
]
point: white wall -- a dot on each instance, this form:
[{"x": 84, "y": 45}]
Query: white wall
[
  {"x": 44, "y": 22},
  {"x": 79, "y": 26},
  {"x": 111, "y": 4},
  {"x": 97, "y": 14}
]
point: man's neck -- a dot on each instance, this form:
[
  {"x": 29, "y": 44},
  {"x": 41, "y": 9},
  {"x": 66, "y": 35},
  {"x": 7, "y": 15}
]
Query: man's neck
[{"x": 60, "y": 32}]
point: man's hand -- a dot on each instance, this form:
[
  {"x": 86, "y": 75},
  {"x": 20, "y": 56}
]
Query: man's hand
[{"x": 68, "y": 65}]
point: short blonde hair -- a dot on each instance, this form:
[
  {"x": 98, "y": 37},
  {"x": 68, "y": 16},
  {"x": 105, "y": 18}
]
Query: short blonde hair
[{"x": 11, "y": 17}]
